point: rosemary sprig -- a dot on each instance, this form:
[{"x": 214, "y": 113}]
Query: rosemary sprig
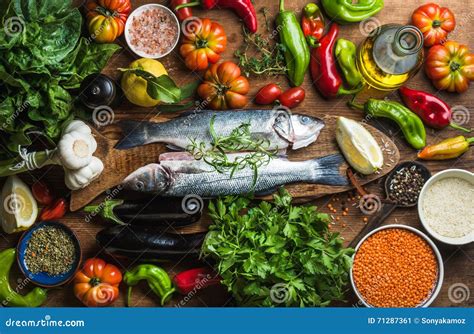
[
  {"x": 240, "y": 139},
  {"x": 259, "y": 55}
]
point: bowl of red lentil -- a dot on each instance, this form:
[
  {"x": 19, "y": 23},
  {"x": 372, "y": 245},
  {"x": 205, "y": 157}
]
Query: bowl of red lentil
[
  {"x": 152, "y": 31},
  {"x": 396, "y": 266}
]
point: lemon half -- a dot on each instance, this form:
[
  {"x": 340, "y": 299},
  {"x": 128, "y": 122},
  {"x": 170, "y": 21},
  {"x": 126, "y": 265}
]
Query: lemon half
[
  {"x": 18, "y": 208},
  {"x": 359, "y": 147}
]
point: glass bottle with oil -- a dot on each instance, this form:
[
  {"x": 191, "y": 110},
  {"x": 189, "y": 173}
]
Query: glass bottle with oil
[{"x": 390, "y": 56}]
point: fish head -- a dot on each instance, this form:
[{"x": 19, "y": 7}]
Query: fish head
[
  {"x": 299, "y": 130},
  {"x": 306, "y": 130},
  {"x": 150, "y": 178}
]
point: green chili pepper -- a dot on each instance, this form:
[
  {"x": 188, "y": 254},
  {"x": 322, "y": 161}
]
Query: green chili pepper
[
  {"x": 345, "y": 53},
  {"x": 346, "y": 11},
  {"x": 157, "y": 279},
  {"x": 296, "y": 49},
  {"x": 410, "y": 124},
  {"x": 9, "y": 296}
]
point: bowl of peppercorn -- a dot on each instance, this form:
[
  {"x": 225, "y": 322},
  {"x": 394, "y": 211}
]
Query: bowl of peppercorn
[{"x": 49, "y": 254}]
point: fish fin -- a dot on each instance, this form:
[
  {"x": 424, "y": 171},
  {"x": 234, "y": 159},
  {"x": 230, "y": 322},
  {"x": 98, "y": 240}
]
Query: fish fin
[
  {"x": 266, "y": 192},
  {"x": 174, "y": 147},
  {"x": 327, "y": 170},
  {"x": 176, "y": 156},
  {"x": 135, "y": 133}
]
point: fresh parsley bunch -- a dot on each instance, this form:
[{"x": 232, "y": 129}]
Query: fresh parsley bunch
[{"x": 277, "y": 254}]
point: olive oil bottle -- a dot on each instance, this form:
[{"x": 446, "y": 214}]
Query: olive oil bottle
[{"x": 390, "y": 56}]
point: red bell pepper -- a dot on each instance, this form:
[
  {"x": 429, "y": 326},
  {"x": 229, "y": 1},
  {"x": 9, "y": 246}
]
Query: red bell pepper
[
  {"x": 55, "y": 210},
  {"x": 243, "y": 8},
  {"x": 323, "y": 67},
  {"x": 433, "y": 111},
  {"x": 312, "y": 24},
  {"x": 195, "y": 279},
  {"x": 182, "y": 13}
]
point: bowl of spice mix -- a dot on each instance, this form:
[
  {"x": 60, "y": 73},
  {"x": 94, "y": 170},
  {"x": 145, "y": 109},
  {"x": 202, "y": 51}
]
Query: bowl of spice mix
[
  {"x": 397, "y": 266},
  {"x": 445, "y": 206},
  {"x": 49, "y": 254}
]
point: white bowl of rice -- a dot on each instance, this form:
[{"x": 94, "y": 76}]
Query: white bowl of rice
[
  {"x": 152, "y": 31},
  {"x": 445, "y": 206}
]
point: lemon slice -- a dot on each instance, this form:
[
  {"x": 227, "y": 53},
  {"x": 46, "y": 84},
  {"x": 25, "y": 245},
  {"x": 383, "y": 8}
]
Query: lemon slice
[
  {"x": 18, "y": 208},
  {"x": 358, "y": 146}
]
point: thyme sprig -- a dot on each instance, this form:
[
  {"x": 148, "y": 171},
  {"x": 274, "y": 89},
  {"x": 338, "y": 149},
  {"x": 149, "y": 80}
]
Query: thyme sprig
[
  {"x": 259, "y": 55},
  {"x": 240, "y": 139}
]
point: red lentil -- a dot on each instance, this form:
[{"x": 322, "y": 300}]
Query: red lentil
[{"x": 395, "y": 268}]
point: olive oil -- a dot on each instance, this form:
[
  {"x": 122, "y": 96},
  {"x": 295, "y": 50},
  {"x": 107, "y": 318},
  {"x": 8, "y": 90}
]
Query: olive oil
[{"x": 390, "y": 56}]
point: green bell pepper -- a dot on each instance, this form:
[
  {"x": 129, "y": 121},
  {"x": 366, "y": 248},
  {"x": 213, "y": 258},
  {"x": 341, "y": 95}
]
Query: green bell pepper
[
  {"x": 410, "y": 124},
  {"x": 345, "y": 11},
  {"x": 297, "y": 53},
  {"x": 345, "y": 53}
]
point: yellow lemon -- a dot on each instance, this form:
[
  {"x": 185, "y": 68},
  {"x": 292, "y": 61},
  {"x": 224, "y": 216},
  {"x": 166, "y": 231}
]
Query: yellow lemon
[
  {"x": 135, "y": 87},
  {"x": 359, "y": 147},
  {"x": 19, "y": 209}
]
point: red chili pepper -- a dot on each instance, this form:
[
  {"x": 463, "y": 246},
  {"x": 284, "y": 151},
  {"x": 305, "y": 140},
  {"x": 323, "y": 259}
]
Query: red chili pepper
[
  {"x": 182, "y": 13},
  {"x": 292, "y": 97},
  {"x": 195, "y": 279},
  {"x": 324, "y": 72},
  {"x": 433, "y": 111},
  {"x": 312, "y": 24},
  {"x": 42, "y": 193},
  {"x": 55, "y": 210},
  {"x": 243, "y": 8}
]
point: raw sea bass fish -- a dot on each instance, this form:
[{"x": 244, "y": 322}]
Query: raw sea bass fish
[
  {"x": 178, "y": 174},
  {"x": 278, "y": 126}
]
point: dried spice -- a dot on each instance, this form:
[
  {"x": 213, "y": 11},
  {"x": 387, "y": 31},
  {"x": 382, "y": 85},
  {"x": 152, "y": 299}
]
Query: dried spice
[
  {"x": 50, "y": 250},
  {"x": 406, "y": 185}
]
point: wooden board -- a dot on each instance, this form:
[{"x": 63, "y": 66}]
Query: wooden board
[
  {"x": 120, "y": 163},
  {"x": 458, "y": 261}
]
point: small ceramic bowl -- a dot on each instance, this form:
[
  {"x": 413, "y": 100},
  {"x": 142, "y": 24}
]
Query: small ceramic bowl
[
  {"x": 43, "y": 279},
  {"x": 457, "y": 173},
  {"x": 439, "y": 259},
  {"x": 138, "y": 11}
]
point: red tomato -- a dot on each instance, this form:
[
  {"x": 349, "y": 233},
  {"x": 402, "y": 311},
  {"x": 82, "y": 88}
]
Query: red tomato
[
  {"x": 268, "y": 94},
  {"x": 292, "y": 97},
  {"x": 42, "y": 193}
]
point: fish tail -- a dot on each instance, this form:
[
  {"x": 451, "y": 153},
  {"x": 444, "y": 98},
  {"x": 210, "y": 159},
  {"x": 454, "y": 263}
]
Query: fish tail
[
  {"x": 135, "y": 133},
  {"x": 327, "y": 170}
]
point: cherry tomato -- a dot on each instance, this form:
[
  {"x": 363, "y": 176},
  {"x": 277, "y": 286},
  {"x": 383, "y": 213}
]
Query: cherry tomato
[
  {"x": 292, "y": 97},
  {"x": 42, "y": 193},
  {"x": 268, "y": 94}
]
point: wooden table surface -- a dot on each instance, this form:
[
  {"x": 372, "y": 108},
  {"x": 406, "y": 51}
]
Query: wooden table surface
[{"x": 458, "y": 261}]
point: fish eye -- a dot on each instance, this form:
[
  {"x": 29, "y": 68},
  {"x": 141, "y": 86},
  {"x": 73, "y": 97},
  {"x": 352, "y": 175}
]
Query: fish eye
[
  {"x": 305, "y": 120},
  {"x": 139, "y": 185}
]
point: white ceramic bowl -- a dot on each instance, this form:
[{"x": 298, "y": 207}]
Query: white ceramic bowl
[
  {"x": 439, "y": 259},
  {"x": 138, "y": 11},
  {"x": 458, "y": 173}
]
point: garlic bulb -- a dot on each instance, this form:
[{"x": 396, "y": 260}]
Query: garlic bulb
[
  {"x": 76, "y": 145},
  {"x": 80, "y": 178}
]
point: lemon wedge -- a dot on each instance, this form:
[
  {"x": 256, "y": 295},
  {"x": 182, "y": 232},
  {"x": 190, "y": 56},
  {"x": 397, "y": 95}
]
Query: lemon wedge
[
  {"x": 358, "y": 146},
  {"x": 18, "y": 209}
]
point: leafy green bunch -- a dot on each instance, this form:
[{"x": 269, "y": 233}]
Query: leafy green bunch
[
  {"x": 42, "y": 58},
  {"x": 276, "y": 253}
]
